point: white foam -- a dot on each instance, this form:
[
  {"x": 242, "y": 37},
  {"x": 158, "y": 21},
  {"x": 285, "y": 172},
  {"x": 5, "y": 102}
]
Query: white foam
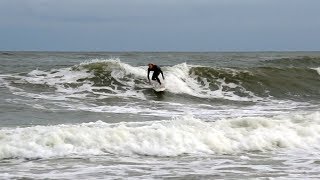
[
  {"x": 179, "y": 80},
  {"x": 56, "y": 76},
  {"x": 59, "y": 78},
  {"x": 165, "y": 138},
  {"x": 317, "y": 69}
]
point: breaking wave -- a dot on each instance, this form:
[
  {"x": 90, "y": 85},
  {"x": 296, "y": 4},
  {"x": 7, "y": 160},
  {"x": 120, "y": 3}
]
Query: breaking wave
[
  {"x": 115, "y": 79},
  {"x": 181, "y": 135}
]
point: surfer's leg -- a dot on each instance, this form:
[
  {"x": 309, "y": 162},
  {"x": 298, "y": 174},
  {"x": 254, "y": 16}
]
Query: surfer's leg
[
  {"x": 158, "y": 80},
  {"x": 155, "y": 77}
]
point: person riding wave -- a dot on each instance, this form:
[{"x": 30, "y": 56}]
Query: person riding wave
[{"x": 156, "y": 71}]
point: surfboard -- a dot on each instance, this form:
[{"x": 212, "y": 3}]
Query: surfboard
[{"x": 158, "y": 88}]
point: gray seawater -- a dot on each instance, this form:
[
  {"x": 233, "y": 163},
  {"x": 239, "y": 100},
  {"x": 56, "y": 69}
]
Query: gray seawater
[{"x": 93, "y": 115}]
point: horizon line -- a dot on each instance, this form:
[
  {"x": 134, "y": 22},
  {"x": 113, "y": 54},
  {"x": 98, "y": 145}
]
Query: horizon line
[{"x": 165, "y": 51}]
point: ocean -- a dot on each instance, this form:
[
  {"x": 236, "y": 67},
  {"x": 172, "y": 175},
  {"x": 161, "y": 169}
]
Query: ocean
[{"x": 223, "y": 115}]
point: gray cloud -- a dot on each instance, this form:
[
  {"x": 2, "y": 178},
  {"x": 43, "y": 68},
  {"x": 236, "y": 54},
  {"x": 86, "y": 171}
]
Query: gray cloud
[{"x": 160, "y": 25}]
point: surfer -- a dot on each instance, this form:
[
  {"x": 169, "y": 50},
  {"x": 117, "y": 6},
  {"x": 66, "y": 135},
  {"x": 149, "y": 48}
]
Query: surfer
[{"x": 156, "y": 71}]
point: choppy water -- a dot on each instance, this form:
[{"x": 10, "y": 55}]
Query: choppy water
[{"x": 222, "y": 116}]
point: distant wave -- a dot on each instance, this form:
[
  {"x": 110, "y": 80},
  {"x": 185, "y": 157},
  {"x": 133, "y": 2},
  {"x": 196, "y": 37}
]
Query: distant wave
[
  {"x": 304, "y": 61},
  {"x": 6, "y": 53}
]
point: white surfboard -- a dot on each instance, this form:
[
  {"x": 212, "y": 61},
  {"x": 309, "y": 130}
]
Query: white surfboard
[{"x": 158, "y": 88}]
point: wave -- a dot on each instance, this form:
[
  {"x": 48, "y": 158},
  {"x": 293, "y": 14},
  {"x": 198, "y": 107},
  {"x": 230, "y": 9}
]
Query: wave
[
  {"x": 292, "y": 83},
  {"x": 317, "y": 69},
  {"x": 303, "y": 61},
  {"x": 215, "y": 82},
  {"x": 114, "y": 79},
  {"x": 181, "y": 135},
  {"x": 239, "y": 84}
]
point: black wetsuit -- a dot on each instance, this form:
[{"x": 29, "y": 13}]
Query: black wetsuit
[{"x": 156, "y": 71}]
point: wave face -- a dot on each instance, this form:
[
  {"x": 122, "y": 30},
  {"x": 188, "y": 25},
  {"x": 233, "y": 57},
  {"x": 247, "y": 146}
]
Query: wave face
[
  {"x": 183, "y": 135},
  {"x": 277, "y": 82}
]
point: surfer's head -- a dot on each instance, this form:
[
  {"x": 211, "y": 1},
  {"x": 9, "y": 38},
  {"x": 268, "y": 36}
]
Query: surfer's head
[{"x": 150, "y": 65}]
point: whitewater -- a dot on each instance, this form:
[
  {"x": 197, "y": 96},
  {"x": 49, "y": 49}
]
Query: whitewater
[{"x": 223, "y": 115}]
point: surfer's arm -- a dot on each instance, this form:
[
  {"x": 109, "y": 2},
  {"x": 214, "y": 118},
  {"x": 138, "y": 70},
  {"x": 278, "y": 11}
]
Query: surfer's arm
[
  {"x": 162, "y": 74},
  {"x": 148, "y": 74}
]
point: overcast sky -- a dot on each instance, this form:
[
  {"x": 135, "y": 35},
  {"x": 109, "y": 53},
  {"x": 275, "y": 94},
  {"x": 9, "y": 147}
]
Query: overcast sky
[{"x": 160, "y": 25}]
